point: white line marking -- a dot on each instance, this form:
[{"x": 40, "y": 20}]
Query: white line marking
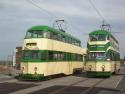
[{"x": 118, "y": 82}]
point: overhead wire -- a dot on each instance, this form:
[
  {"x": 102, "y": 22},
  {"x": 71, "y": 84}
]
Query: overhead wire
[
  {"x": 42, "y": 9},
  {"x": 97, "y": 11},
  {"x": 48, "y": 12}
]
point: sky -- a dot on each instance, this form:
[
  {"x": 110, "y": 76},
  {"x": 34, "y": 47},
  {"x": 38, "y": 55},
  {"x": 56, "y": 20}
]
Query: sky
[{"x": 81, "y": 18}]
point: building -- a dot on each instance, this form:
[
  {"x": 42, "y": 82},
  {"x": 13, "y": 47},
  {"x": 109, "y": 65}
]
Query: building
[{"x": 18, "y": 56}]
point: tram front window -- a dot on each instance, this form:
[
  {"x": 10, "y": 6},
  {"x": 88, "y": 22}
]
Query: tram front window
[
  {"x": 35, "y": 34},
  {"x": 99, "y": 37},
  {"x": 97, "y": 56}
]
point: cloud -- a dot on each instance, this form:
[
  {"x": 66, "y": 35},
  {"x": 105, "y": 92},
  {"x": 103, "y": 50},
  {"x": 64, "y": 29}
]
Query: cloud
[{"x": 17, "y": 16}]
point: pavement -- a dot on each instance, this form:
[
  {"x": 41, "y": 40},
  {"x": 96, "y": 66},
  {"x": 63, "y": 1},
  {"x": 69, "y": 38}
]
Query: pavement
[{"x": 113, "y": 85}]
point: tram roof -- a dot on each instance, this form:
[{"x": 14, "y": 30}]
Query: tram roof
[
  {"x": 99, "y": 32},
  {"x": 50, "y": 29},
  {"x": 102, "y": 32}
]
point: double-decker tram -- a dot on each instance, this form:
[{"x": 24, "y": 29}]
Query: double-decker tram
[
  {"x": 47, "y": 51},
  {"x": 103, "y": 57}
]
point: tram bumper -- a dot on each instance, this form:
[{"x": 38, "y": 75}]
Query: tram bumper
[
  {"x": 99, "y": 73},
  {"x": 31, "y": 77}
]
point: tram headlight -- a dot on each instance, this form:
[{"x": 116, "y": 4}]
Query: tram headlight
[
  {"x": 108, "y": 59},
  {"x": 103, "y": 67}
]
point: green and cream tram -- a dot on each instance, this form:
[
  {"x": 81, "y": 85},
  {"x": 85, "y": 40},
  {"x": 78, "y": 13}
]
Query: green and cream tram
[
  {"x": 103, "y": 57},
  {"x": 47, "y": 51}
]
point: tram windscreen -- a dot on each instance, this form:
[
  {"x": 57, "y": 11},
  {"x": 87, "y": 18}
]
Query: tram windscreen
[
  {"x": 97, "y": 56},
  {"x": 98, "y": 37},
  {"x": 34, "y": 34}
]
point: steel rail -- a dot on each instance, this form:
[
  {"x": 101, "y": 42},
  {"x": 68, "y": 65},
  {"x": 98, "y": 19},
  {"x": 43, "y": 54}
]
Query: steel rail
[
  {"x": 93, "y": 86},
  {"x": 61, "y": 89}
]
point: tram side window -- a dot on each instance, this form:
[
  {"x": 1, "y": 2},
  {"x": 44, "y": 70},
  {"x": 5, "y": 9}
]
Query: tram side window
[
  {"x": 78, "y": 43},
  {"x": 60, "y": 56},
  {"x": 26, "y": 55},
  {"x": 29, "y": 34},
  {"x": 55, "y": 36},
  {"x": 46, "y": 34},
  {"x": 79, "y": 58},
  {"x": 66, "y": 39},
  {"x": 59, "y": 37},
  {"x": 69, "y": 40},
  {"x": 50, "y": 55},
  {"x": 43, "y": 55},
  {"x": 35, "y": 55},
  {"x": 93, "y": 38},
  {"x": 69, "y": 57},
  {"x": 73, "y": 57},
  {"x": 40, "y": 34},
  {"x": 55, "y": 56},
  {"x": 34, "y": 34}
]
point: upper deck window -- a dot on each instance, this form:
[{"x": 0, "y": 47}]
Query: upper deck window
[
  {"x": 28, "y": 35},
  {"x": 99, "y": 37},
  {"x": 53, "y": 35},
  {"x": 34, "y": 34}
]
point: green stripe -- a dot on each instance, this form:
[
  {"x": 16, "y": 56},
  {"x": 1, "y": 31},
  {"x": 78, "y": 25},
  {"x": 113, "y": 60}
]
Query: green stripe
[
  {"x": 48, "y": 56},
  {"x": 98, "y": 74},
  {"x": 31, "y": 77}
]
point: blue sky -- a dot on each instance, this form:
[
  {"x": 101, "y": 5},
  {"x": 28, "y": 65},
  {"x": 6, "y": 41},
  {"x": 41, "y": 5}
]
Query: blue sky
[{"x": 16, "y": 16}]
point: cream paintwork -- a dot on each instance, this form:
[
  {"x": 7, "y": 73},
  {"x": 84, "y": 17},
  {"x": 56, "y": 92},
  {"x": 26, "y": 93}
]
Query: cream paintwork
[
  {"x": 50, "y": 68},
  {"x": 49, "y": 44},
  {"x": 109, "y": 66},
  {"x": 115, "y": 66},
  {"x": 98, "y": 42},
  {"x": 25, "y": 66}
]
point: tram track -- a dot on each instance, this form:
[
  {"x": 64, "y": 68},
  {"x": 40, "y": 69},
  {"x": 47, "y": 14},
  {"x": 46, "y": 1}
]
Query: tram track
[
  {"x": 92, "y": 87},
  {"x": 75, "y": 83},
  {"x": 61, "y": 89}
]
